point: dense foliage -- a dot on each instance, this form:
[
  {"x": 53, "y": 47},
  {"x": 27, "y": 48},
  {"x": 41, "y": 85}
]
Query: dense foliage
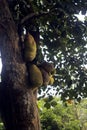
[
  {"x": 62, "y": 39},
  {"x": 62, "y": 116}
]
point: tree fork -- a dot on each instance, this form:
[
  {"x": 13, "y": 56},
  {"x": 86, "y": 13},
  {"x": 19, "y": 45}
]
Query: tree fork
[{"x": 17, "y": 101}]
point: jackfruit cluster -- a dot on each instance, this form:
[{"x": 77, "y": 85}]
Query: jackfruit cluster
[
  {"x": 48, "y": 71},
  {"x": 41, "y": 74}
]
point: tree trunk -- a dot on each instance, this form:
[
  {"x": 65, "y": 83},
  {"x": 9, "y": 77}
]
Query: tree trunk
[{"x": 17, "y": 101}]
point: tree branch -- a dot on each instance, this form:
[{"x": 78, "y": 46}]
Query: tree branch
[
  {"x": 30, "y": 16},
  {"x": 34, "y": 15}
]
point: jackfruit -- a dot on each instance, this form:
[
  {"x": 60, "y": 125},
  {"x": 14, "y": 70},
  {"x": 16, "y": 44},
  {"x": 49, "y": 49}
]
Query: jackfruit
[
  {"x": 69, "y": 101},
  {"x": 49, "y": 67},
  {"x": 30, "y": 48},
  {"x": 51, "y": 81},
  {"x": 35, "y": 76},
  {"x": 46, "y": 76}
]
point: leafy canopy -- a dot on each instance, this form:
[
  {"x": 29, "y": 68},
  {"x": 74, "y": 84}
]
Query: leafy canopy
[{"x": 62, "y": 37}]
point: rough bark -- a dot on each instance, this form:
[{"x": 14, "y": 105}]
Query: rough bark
[{"x": 17, "y": 101}]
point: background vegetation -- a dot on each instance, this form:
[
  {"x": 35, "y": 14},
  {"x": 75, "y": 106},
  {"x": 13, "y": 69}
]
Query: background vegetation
[{"x": 59, "y": 115}]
